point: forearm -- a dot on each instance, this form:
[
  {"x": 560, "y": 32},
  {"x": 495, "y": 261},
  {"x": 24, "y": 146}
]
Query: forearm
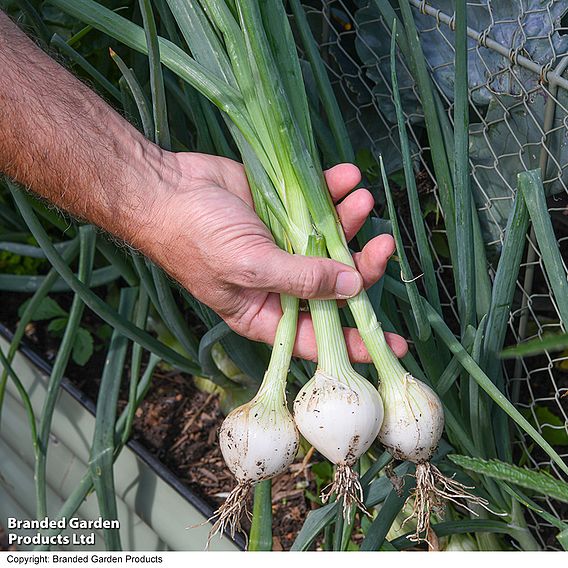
[{"x": 61, "y": 140}]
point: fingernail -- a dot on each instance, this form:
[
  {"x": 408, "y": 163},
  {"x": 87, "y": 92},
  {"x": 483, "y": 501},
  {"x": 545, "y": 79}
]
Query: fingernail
[{"x": 347, "y": 284}]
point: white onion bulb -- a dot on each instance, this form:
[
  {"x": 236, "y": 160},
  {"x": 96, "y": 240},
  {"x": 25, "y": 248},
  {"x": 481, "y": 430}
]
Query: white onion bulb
[
  {"x": 339, "y": 418},
  {"x": 258, "y": 440},
  {"x": 411, "y": 430},
  {"x": 413, "y": 421}
]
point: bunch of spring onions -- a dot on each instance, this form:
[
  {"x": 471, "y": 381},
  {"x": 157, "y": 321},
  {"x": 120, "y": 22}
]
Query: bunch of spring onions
[
  {"x": 248, "y": 66},
  {"x": 338, "y": 411}
]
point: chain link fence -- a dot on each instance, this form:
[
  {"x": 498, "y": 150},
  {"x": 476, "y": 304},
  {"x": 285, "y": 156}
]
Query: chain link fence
[{"x": 517, "y": 57}]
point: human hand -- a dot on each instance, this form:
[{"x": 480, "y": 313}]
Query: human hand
[
  {"x": 205, "y": 234},
  {"x": 190, "y": 213}
]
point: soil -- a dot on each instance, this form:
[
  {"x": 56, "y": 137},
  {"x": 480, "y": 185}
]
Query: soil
[{"x": 179, "y": 424}]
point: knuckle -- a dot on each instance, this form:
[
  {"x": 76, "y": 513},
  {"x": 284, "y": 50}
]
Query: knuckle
[
  {"x": 246, "y": 273},
  {"x": 242, "y": 272},
  {"x": 308, "y": 282}
]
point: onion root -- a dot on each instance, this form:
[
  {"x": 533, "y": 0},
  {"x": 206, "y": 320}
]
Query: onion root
[
  {"x": 228, "y": 515},
  {"x": 347, "y": 487},
  {"x": 432, "y": 490}
]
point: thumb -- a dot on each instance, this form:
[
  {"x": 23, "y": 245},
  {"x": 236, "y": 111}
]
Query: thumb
[{"x": 308, "y": 277}]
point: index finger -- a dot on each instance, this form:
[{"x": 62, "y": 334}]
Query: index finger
[{"x": 341, "y": 179}]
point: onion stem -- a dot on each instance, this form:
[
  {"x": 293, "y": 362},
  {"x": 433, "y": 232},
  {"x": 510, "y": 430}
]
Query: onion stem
[
  {"x": 333, "y": 357},
  {"x": 274, "y": 383}
]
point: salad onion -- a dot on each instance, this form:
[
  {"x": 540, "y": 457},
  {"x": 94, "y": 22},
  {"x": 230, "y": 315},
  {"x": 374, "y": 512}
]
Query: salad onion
[
  {"x": 338, "y": 411},
  {"x": 412, "y": 427},
  {"x": 259, "y": 439}
]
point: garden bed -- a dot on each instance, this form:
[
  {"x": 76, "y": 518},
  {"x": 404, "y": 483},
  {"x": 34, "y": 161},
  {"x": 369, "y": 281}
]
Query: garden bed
[{"x": 178, "y": 424}]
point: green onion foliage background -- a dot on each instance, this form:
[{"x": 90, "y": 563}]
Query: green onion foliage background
[{"x": 149, "y": 79}]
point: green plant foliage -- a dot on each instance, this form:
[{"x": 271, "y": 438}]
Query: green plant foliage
[
  {"x": 11, "y": 263},
  {"x": 554, "y": 429},
  {"x": 549, "y": 342},
  {"x": 82, "y": 347},
  {"x": 57, "y": 326},
  {"x": 48, "y": 309},
  {"x": 538, "y": 481}
]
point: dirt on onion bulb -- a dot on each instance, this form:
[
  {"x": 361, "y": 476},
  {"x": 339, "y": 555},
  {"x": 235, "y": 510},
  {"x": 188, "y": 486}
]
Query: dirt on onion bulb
[
  {"x": 411, "y": 430},
  {"x": 258, "y": 441},
  {"x": 413, "y": 421}
]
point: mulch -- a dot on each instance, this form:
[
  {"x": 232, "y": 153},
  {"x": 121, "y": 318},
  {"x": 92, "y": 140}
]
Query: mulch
[{"x": 180, "y": 425}]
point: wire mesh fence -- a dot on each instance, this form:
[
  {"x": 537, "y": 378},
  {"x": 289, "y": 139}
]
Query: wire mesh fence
[{"x": 518, "y": 92}]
